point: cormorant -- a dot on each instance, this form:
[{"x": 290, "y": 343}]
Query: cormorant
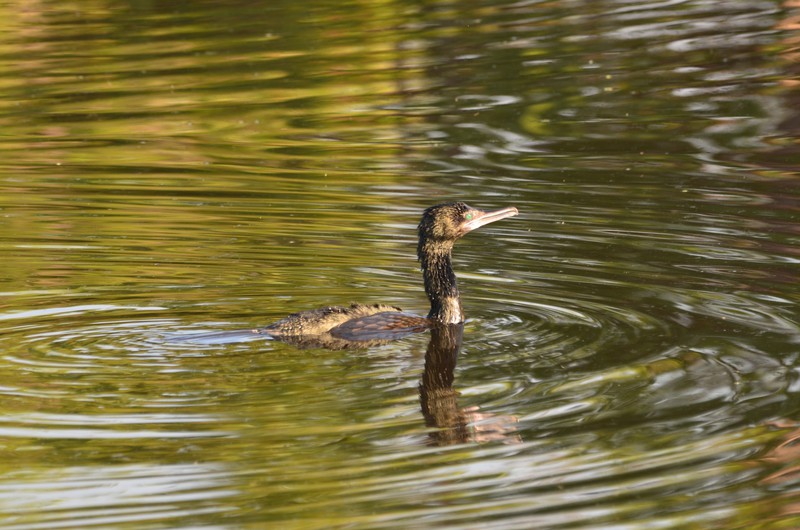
[{"x": 440, "y": 227}]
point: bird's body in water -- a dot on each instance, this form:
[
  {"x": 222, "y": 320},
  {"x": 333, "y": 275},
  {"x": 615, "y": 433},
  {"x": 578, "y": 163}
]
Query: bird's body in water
[{"x": 440, "y": 227}]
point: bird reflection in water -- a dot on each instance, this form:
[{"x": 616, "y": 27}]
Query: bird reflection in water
[{"x": 439, "y": 400}]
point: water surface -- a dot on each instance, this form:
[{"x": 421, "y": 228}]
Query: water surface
[{"x": 631, "y": 350}]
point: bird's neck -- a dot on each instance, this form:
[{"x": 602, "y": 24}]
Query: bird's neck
[{"x": 440, "y": 284}]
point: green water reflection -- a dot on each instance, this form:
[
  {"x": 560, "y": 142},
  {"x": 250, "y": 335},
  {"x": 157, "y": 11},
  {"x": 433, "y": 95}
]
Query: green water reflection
[{"x": 630, "y": 354}]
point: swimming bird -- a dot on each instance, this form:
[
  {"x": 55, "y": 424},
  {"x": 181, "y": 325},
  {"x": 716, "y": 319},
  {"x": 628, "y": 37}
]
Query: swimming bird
[{"x": 334, "y": 326}]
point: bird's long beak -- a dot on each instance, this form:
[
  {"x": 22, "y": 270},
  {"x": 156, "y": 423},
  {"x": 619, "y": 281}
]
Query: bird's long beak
[{"x": 480, "y": 218}]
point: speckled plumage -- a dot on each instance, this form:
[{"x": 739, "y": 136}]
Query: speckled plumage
[{"x": 323, "y": 320}]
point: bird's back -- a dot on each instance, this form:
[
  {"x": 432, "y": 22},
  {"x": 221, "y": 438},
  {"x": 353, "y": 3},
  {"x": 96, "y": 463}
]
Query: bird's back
[{"x": 323, "y": 320}]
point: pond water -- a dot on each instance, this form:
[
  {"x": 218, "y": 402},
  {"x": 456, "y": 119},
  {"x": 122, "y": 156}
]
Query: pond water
[{"x": 630, "y": 356}]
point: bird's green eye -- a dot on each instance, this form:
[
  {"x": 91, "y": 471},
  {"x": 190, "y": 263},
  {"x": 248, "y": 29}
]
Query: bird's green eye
[{"x": 468, "y": 217}]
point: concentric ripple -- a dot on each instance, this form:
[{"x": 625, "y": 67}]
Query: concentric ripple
[
  {"x": 571, "y": 330},
  {"x": 94, "y": 376}
]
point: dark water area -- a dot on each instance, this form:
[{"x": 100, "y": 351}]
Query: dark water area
[{"x": 630, "y": 355}]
